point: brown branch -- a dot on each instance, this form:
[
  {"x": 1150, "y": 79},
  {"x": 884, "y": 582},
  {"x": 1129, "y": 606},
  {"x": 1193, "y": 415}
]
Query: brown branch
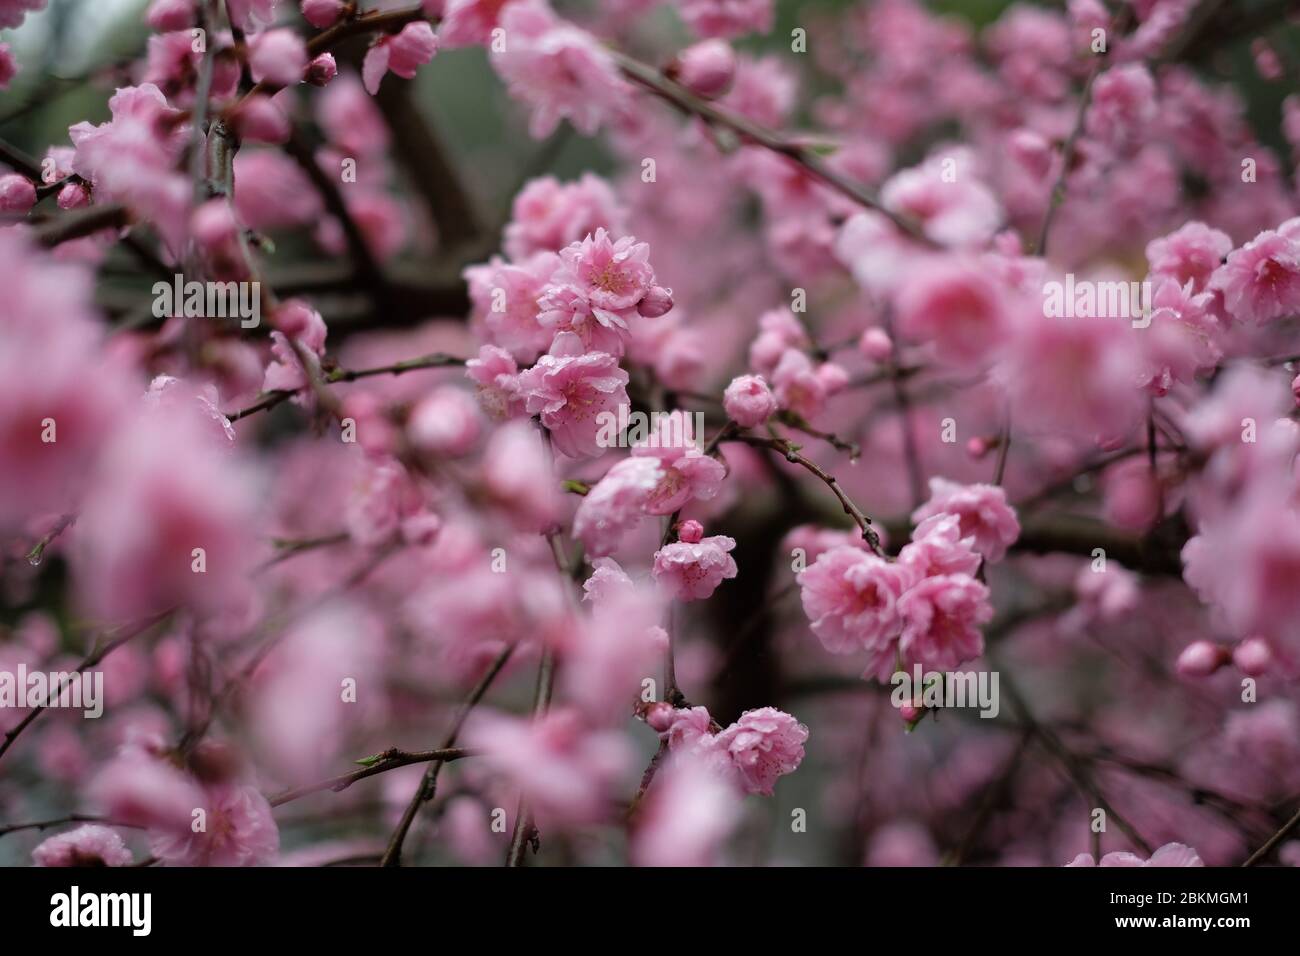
[
  {"x": 121, "y": 635},
  {"x": 421, "y": 153},
  {"x": 274, "y": 398},
  {"x": 390, "y": 759},
  {"x": 429, "y": 783},
  {"x": 365, "y": 267},
  {"x": 80, "y": 223},
  {"x": 751, "y": 132},
  {"x": 1274, "y": 840},
  {"x": 1057, "y": 196},
  {"x": 60, "y": 821},
  {"x": 790, "y": 452}
]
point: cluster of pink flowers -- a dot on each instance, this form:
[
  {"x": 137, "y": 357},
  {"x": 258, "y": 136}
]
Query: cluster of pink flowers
[
  {"x": 752, "y": 753},
  {"x": 927, "y": 606}
]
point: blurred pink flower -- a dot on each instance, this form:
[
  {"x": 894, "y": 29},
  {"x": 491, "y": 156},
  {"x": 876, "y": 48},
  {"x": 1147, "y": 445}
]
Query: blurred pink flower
[
  {"x": 982, "y": 509},
  {"x": 88, "y": 845},
  {"x": 693, "y": 571}
]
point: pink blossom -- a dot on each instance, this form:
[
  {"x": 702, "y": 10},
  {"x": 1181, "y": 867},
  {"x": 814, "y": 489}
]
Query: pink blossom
[
  {"x": 940, "y": 546},
  {"x": 764, "y": 90},
  {"x": 446, "y": 422},
  {"x": 1253, "y": 656},
  {"x": 693, "y": 571},
  {"x": 402, "y": 53},
  {"x": 1171, "y": 854},
  {"x": 963, "y": 213},
  {"x": 506, "y": 300},
  {"x": 17, "y": 194},
  {"x": 547, "y": 215},
  {"x": 271, "y": 191},
  {"x": 558, "y": 70},
  {"x": 169, "y": 520},
  {"x": 321, "y": 70},
  {"x": 779, "y": 331},
  {"x": 983, "y": 510},
  {"x": 748, "y": 401},
  {"x": 851, "y": 598},
  {"x": 596, "y": 291},
  {"x": 956, "y": 307},
  {"x": 259, "y": 120},
  {"x": 566, "y": 769},
  {"x": 13, "y": 11},
  {"x": 383, "y": 497},
  {"x": 616, "y": 504},
  {"x": 322, "y": 13},
  {"x": 605, "y": 659},
  {"x": 252, "y": 16},
  {"x": 707, "y": 68},
  {"x": 516, "y": 470},
  {"x": 1183, "y": 338},
  {"x": 689, "y": 474},
  {"x": 73, "y": 196},
  {"x": 351, "y": 120},
  {"x": 688, "y": 813},
  {"x": 727, "y": 18},
  {"x": 164, "y": 15},
  {"x": 797, "y": 385},
  {"x": 497, "y": 377},
  {"x": 88, "y": 845},
  {"x": 173, "y": 62},
  {"x": 8, "y": 66},
  {"x": 875, "y": 345},
  {"x": 132, "y": 158},
  {"x": 1260, "y": 281},
  {"x": 469, "y": 22},
  {"x": 239, "y": 832},
  {"x": 277, "y": 57},
  {"x": 1201, "y": 659},
  {"x": 1123, "y": 102},
  {"x": 570, "y": 389},
  {"x": 138, "y": 788},
  {"x": 1075, "y": 376},
  {"x": 941, "y": 617},
  {"x": 1190, "y": 254},
  {"x": 763, "y": 745}
]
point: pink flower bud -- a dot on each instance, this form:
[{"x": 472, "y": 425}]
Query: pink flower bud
[
  {"x": 1201, "y": 659},
  {"x": 446, "y": 422},
  {"x": 910, "y": 713},
  {"x": 655, "y": 303},
  {"x": 1253, "y": 656},
  {"x": 707, "y": 69},
  {"x": 321, "y": 70},
  {"x": 421, "y": 529},
  {"x": 17, "y": 194},
  {"x": 832, "y": 377},
  {"x": 213, "y": 225},
  {"x": 73, "y": 196},
  {"x": 259, "y": 120},
  {"x": 748, "y": 401},
  {"x": 690, "y": 531},
  {"x": 659, "y": 716},
  {"x": 875, "y": 345},
  {"x": 978, "y": 447},
  {"x": 322, "y": 13},
  {"x": 278, "y": 57}
]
